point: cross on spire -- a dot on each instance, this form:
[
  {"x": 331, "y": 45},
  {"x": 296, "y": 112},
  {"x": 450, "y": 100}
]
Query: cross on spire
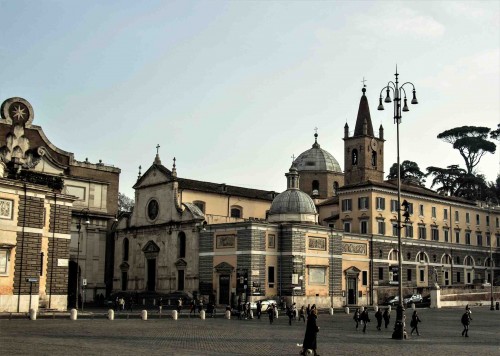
[
  {"x": 157, "y": 148},
  {"x": 315, "y": 130},
  {"x": 293, "y": 158},
  {"x": 363, "y": 81}
]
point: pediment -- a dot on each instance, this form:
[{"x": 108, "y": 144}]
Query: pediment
[
  {"x": 352, "y": 270},
  {"x": 156, "y": 174},
  {"x": 180, "y": 263},
  {"x": 47, "y": 165},
  {"x": 124, "y": 266},
  {"x": 224, "y": 268},
  {"x": 150, "y": 247}
]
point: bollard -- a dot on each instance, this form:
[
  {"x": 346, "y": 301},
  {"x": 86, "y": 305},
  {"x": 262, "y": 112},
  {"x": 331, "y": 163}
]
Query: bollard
[
  {"x": 174, "y": 314},
  {"x": 375, "y": 308},
  {"x": 413, "y": 306},
  {"x": 202, "y": 315},
  {"x": 347, "y": 310},
  {"x": 32, "y": 314},
  {"x": 331, "y": 311},
  {"x": 144, "y": 315},
  {"x": 73, "y": 314},
  {"x": 228, "y": 314},
  {"x": 111, "y": 314}
]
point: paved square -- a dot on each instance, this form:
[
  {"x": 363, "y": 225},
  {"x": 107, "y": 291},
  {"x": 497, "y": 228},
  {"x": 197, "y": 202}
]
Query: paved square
[{"x": 440, "y": 333}]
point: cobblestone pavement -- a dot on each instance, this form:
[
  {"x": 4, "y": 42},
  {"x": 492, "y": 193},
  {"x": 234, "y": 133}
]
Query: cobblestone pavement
[{"x": 440, "y": 332}]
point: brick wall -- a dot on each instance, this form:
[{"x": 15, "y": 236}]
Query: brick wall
[
  {"x": 28, "y": 263},
  {"x": 58, "y": 248},
  {"x": 34, "y": 212},
  {"x": 62, "y": 220}
]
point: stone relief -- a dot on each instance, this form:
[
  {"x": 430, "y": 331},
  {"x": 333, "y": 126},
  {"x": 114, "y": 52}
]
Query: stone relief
[
  {"x": 317, "y": 243},
  {"x": 5, "y": 209},
  {"x": 354, "y": 248},
  {"x": 225, "y": 241}
]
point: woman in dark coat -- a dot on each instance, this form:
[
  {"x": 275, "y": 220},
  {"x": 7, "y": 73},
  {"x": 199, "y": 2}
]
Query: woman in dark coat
[
  {"x": 414, "y": 323},
  {"x": 311, "y": 331}
]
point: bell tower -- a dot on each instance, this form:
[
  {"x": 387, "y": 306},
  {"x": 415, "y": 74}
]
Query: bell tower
[{"x": 363, "y": 152}]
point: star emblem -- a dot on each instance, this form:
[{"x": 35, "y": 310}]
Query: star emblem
[{"x": 19, "y": 112}]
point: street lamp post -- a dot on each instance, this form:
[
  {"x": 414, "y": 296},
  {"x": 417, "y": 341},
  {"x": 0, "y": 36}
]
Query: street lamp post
[
  {"x": 84, "y": 216},
  {"x": 492, "y": 307},
  {"x": 397, "y": 91}
]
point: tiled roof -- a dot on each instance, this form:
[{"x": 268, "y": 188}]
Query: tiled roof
[{"x": 363, "y": 113}]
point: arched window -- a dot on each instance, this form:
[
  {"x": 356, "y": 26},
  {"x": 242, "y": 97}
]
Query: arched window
[
  {"x": 335, "y": 187},
  {"x": 181, "y": 245},
  {"x": 236, "y": 211},
  {"x": 446, "y": 260},
  {"x": 315, "y": 185},
  {"x": 374, "y": 158},
  {"x": 393, "y": 255},
  {"x": 469, "y": 261},
  {"x": 487, "y": 262},
  {"x": 125, "y": 249},
  {"x": 422, "y": 257},
  {"x": 200, "y": 204},
  {"x": 354, "y": 157}
]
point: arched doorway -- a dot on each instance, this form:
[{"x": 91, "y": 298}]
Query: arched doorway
[
  {"x": 151, "y": 251},
  {"x": 351, "y": 282}
]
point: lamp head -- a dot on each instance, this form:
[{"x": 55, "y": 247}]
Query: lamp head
[
  {"x": 380, "y": 105},
  {"x": 414, "y": 100},
  {"x": 405, "y": 106},
  {"x": 388, "y": 97}
]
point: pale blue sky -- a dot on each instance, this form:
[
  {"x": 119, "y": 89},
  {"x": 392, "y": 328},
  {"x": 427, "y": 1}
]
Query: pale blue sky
[{"x": 233, "y": 88}]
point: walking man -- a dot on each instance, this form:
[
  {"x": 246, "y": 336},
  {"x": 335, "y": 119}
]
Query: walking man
[
  {"x": 414, "y": 323},
  {"x": 270, "y": 312},
  {"x": 365, "y": 319},
  {"x": 387, "y": 317},
  {"x": 357, "y": 318},
  {"x": 378, "y": 316},
  {"x": 466, "y": 318},
  {"x": 310, "y": 342},
  {"x": 302, "y": 313},
  {"x": 259, "y": 309}
]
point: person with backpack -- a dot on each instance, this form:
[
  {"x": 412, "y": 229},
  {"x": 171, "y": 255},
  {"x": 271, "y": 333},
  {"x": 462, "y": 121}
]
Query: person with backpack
[
  {"x": 466, "y": 318},
  {"x": 365, "y": 319},
  {"x": 378, "y": 316}
]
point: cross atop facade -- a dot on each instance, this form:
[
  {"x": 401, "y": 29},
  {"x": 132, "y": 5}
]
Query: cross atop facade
[
  {"x": 293, "y": 158},
  {"x": 315, "y": 130},
  {"x": 174, "y": 161},
  {"x": 157, "y": 148},
  {"x": 363, "y": 81}
]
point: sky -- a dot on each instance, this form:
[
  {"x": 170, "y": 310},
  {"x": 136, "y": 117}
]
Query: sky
[{"x": 233, "y": 89}]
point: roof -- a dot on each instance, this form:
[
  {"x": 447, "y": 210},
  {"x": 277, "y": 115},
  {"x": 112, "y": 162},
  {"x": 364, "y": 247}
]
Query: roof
[
  {"x": 292, "y": 201},
  {"x": 218, "y": 188},
  {"x": 363, "y": 113},
  {"x": 408, "y": 188},
  {"x": 329, "y": 201}
]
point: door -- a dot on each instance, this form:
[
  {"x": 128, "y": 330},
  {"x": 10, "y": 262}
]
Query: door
[
  {"x": 351, "y": 290},
  {"x": 180, "y": 279},
  {"x": 151, "y": 282},
  {"x": 224, "y": 289}
]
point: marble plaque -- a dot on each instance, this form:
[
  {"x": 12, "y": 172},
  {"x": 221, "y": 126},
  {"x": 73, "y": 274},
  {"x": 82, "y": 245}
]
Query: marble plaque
[
  {"x": 226, "y": 241},
  {"x": 5, "y": 209},
  {"x": 317, "y": 275}
]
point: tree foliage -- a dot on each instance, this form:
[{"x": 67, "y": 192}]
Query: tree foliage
[
  {"x": 409, "y": 170},
  {"x": 471, "y": 142},
  {"x": 495, "y": 134},
  {"x": 125, "y": 203}
]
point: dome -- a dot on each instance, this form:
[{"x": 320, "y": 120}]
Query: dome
[
  {"x": 292, "y": 201},
  {"x": 317, "y": 159},
  {"x": 293, "y": 205}
]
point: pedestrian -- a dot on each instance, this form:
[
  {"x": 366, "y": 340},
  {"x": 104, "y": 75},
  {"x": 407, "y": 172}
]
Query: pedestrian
[
  {"x": 192, "y": 307},
  {"x": 179, "y": 305},
  {"x": 466, "y": 319},
  {"x": 378, "y": 316},
  {"x": 116, "y": 304},
  {"x": 365, "y": 319},
  {"x": 310, "y": 338},
  {"x": 294, "y": 311},
  {"x": 302, "y": 313},
  {"x": 270, "y": 312},
  {"x": 240, "y": 310},
  {"x": 259, "y": 309},
  {"x": 160, "y": 305},
  {"x": 290, "y": 313},
  {"x": 308, "y": 310},
  {"x": 414, "y": 323},
  {"x": 357, "y": 318},
  {"x": 200, "y": 306},
  {"x": 387, "y": 317},
  {"x": 121, "y": 303}
]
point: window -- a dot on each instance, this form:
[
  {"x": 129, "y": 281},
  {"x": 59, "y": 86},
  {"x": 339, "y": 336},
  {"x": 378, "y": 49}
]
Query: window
[
  {"x": 393, "y": 255},
  {"x": 498, "y": 240},
  {"x": 181, "y": 247},
  {"x": 346, "y": 204},
  {"x": 381, "y": 273},
  {"x": 434, "y": 234},
  {"x": 408, "y": 256},
  {"x": 457, "y": 236},
  {"x": 380, "y": 203},
  {"x": 365, "y": 278},
  {"x": 434, "y": 212},
  {"x": 445, "y": 214},
  {"x": 422, "y": 274},
  {"x": 477, "y": 220},
  {"x": 410, "y": 208},
  {"x": 363, "y": 203},
  {"x": 467, "y": 218},
  {"x": 374, "y": 158},
  {"x": 4, "y": 258},
  {"x": 497, "y": 222},
  {"x": 409, "y": 230},
  {"x": 153, "y": 209},
  {"x": 446, "y": 233},
  {"x": 364, "y": 226},
  {"x": 487, "y": 220},
  {"x": 41, "y": 263},
  {"x": 421, "y": 210},
  {"x": 394, "y": 205},
  {"x": 381, "y": 227},
  {"x": 467, "y": 238},
  {"x": 354, "y": 157},
  {"x": 380, "y": 253},
  {"x": 434, "y": 258},
  {"x": 457, "y": 216},
  {"x": 124, "y": 280},
  {"x": 236, "y": 212},
  {"x": 422, "y": 232},
  {"x": 335, "y": 188},
  {"x": 408, "y": 275},
  {"x": 180, "y": 279},
  {"x": 479, "y": 239},
  {"x": 422, "y": 257},
  {"x": 315, "y": 185},
  {"x": 200, "y": 204},
  {"x": 458, "y": 278},
  {"x": 488, "y": 239},
  {"x": 125, "y": 249},
  {"x": 457, "y": 260},
  {"x": 270, "y": 276},
  {"x": 347, "y": 226},
  {"x": 394, "y": 229}
]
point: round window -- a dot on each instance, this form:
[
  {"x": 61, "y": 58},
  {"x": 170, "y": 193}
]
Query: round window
[{"x": 153, "y": 209}]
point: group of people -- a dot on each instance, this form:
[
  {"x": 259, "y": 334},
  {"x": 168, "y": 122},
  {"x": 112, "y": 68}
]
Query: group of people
[{"x": 363, "y": 318}]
